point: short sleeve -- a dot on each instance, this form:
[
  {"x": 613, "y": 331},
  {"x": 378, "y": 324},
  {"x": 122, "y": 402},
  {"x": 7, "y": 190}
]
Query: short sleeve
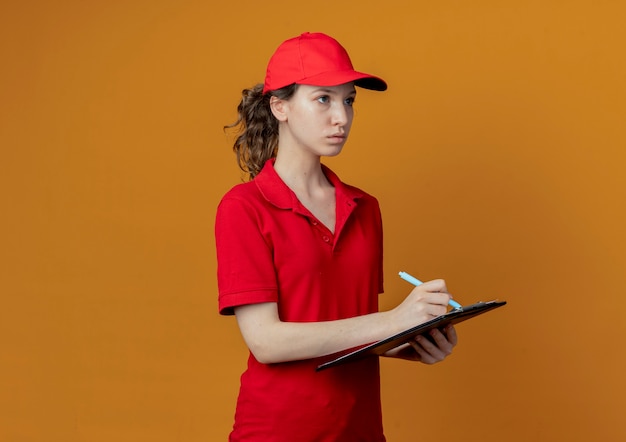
[{"x": 245, "y": 269}]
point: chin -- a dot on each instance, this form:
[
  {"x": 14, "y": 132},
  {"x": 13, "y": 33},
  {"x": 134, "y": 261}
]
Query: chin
[{"x": 332, "y": 152}]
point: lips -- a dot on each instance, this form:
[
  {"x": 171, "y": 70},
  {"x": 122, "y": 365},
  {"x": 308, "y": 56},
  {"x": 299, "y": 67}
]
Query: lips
[
  {"x": 341, "y": 136},
  {"x": 337, "y": 139}
]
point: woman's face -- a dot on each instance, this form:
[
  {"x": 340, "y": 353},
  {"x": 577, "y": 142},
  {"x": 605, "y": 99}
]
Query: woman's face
[{"x": 317, "y": 119}]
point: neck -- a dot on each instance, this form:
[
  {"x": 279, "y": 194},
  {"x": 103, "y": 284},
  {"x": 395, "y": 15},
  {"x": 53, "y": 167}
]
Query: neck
[
  {"x": 306, "y": 179},
  {"x": 303, "y": 174}
]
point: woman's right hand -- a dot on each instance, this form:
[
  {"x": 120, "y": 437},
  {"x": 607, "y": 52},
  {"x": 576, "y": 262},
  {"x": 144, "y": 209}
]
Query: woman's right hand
[{"x": 425, "y": 302}]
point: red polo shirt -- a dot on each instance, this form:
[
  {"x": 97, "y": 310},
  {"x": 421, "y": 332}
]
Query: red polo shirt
[{"x": 270, "y": 248}]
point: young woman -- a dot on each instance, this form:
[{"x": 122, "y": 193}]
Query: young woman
[{"x": 300, "y": 258}]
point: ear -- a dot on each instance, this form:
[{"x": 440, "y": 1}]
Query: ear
[{"x": 279, "y": 108}]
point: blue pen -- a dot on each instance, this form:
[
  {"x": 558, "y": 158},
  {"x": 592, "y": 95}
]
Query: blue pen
[{"x": 416, "y": 282}]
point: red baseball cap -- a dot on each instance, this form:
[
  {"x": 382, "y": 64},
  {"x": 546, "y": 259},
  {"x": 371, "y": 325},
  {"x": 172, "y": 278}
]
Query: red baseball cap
[{"x": 317, "y": 60}]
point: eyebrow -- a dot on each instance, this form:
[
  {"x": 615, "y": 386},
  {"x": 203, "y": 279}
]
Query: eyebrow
[{"x": 333, "y": 91}]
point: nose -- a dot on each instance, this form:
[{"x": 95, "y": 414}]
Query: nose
[{"x": 340, "y": 115}]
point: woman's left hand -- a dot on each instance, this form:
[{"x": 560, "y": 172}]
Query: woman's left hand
[{"x": 428, "y": 350}]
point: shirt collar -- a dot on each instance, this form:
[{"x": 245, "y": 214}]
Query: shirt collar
[{"x": 275, "y": 191}]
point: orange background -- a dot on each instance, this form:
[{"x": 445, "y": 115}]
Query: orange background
[{"x": 497, "y": 155}]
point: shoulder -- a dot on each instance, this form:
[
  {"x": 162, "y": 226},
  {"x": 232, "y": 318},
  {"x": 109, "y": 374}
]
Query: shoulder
[
  {"x": 241, "y": 201},
  {"x": 364, "y": 200},
  {"x": 241, "y": 190},
  {"x": 349, "y": 191},
  {"x": 245, "y": 193},
  {"x": 360, "y": 193}
]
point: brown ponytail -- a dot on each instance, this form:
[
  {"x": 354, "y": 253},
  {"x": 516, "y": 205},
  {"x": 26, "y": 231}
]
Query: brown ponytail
[{"x": 257, "y": 128}]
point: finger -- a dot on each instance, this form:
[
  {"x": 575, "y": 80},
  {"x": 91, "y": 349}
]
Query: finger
[
  {"x": 422, "y": 355},
  {"x": 429, "y": 352},
  {"x": 451, "y": 335},
  {"x": 436, "y": 285},
  {"x": 435, "y": 298},
  {"x": 417, "y": 351},
  {"x": 436, "y": 310},
  {"x": 441, "y": 341},
  {"x": 404, "y": 351}
]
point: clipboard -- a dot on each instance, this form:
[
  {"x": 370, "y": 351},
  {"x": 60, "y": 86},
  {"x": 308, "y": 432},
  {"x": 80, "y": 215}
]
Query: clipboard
[{"x": 378, "y": 348}]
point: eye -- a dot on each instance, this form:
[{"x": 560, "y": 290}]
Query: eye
[
  {"x": 323, "y": 99},
  {"x": 349, "y": 101}
]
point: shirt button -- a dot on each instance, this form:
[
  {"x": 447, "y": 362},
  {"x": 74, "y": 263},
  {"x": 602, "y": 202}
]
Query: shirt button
[
  {"x": 325, "y": 238},
  {"x": 314, "y": 223}
]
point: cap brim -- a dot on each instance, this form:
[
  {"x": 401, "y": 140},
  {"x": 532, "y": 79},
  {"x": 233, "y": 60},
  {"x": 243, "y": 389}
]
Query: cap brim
[
  {"x": 360, "y": 79},
  {"x": 372, "y": 83}
]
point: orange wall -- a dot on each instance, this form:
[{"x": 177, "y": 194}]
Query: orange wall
[{"x": 497, "y": 155}]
